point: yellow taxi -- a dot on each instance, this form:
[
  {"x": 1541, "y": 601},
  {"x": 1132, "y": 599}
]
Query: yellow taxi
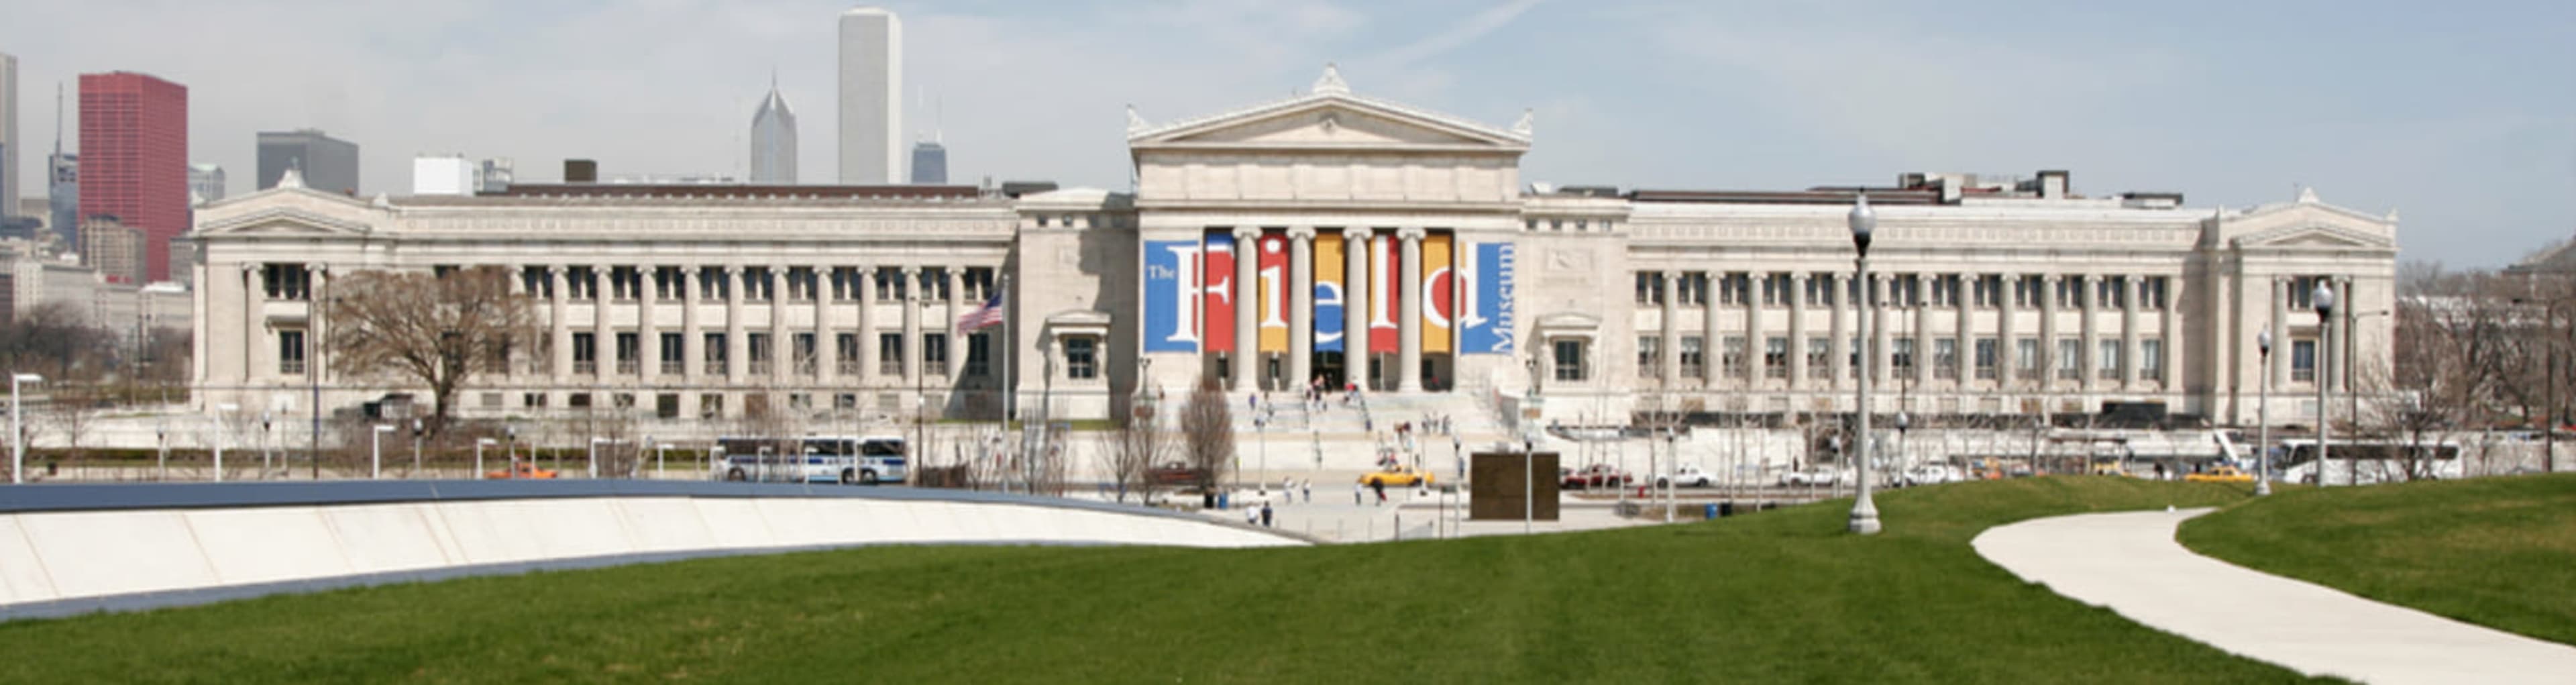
[
  {"x": 2219, "y": 474},
  {"x": 1397, "y": 476}
]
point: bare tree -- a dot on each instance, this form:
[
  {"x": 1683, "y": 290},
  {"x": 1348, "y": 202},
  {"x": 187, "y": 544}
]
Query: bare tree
[
  {"x": 437, "y": 330},
  {"x": 1207, "y": 433},
  {"x": 1131, "y": 451},
  {"x": 72, "y": 411}
]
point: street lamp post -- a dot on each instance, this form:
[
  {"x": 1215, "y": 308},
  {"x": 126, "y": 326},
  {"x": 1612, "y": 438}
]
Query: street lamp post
[
  {"x": 376, "y": 451},
  {"x": 479, "y": 443},
  {"x": 1529, "y": 455},
  {"x": 2324, "y": 297},
  {"x": 510, "y": 452},
  {"x": 1864, "y": 512},
  {"x": 267, "y": 434},
  {"x": 17, "y": 427},
  {"x": 415, "y": 449},
  {"x": 161, "y": 442},
  {"x": 2263, "y": 416}
]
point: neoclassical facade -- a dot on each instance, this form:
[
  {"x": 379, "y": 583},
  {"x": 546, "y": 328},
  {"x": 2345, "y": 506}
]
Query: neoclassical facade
[{"x": 1336, "y": 239}]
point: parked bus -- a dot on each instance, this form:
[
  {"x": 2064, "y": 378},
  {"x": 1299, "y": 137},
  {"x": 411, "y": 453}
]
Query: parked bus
[
  {"x": 2368, "y": 462},
  {"x": 811, "y": 459}
]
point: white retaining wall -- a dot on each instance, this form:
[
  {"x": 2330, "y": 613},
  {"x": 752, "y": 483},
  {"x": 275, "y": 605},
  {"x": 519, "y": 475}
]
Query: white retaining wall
[{"x": 53, "y": 556}]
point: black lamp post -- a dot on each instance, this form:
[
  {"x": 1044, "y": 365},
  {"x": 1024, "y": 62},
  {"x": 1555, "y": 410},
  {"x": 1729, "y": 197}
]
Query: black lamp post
[
  {"x": 2324, "y": 297},
  {"x": 1864, "y": 512},
  {"x": 2263, "y": 416}
]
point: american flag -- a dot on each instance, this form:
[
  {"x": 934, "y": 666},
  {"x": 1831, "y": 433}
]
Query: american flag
[{"x": 989, "y": 314}]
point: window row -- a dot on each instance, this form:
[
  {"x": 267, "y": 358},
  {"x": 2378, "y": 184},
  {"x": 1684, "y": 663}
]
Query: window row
[
  {"x": 2109, "y": 360},
  {"x": 1984, "y": 291}
]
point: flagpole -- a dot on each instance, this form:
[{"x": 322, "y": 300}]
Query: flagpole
[{"x": 1010, "y": 396}]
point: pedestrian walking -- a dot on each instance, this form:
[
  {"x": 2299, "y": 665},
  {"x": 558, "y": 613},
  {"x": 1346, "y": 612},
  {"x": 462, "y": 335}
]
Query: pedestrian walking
[
  {"x": 1265, "y": 514},
  {"x": 1381, "y": 492},
  {"x": 1308, "y": 488}
]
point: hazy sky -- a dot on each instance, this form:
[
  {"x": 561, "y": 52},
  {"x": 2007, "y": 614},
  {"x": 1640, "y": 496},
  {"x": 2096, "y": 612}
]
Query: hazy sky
[{"x": 2462, "y": 115}]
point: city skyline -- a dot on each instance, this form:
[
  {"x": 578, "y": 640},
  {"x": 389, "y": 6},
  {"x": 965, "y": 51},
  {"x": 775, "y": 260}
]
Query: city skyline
[
  {"x": 773, "y": 140},
  {"x": 2230, "y": 105}
]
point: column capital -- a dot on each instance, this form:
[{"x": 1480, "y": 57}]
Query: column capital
[
  {"x": 248, "y": 268},
  {"x": 911, "y": 269},
  {"x": 733, "y": 269},
  {"x": 1301, "y": 233},
  {"x": 1247, "y": 233},
  {"x": 1355, "y": 233},
  {"x": 1413, "y": 233}
]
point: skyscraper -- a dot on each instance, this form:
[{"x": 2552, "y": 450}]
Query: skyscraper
[
  {"x": 205, "y": 182},
  {"x": 63, "y": 196},
  {"x": 773, "y": 139},
  {"x": 9, "y": 140},
  {"x": 134, "y": 158},
  {"x": 328, "y": 164},
  {"x": 871, "y": 106},
  {"x": 929, "y": 163}
]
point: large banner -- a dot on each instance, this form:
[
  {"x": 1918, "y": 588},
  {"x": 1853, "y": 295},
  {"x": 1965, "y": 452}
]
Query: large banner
[
  {"x": 1382, "y": 292},
  {"x": 1328, "y": 291},
  {"x": 1273, "y": 268},
  {"x": 1171, "y": 296},
  {"x": 1216, "y": 303},
  {"x": 1439, "y": 289},
  {"x": 1485, "y": 323}
]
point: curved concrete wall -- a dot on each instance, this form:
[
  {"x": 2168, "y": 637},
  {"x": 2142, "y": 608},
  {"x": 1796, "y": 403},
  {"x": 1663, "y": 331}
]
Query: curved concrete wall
[{"x": 70, "y": 549}]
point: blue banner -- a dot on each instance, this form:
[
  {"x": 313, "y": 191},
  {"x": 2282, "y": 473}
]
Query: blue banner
[
  {"x": 1171, "y": 319},
  {"x": 1485, "y": 325}
]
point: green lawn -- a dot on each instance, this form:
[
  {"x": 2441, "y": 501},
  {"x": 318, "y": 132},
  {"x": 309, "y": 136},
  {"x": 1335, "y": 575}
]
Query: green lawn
[
  {"x": 1782, "y": 596},
  {"x": 2499, "y": 552}
]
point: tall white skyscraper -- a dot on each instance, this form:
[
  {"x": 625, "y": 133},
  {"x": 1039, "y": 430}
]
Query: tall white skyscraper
[
  {"x": 9, "y": 140},
  {"x": 871, "y": 103},
  {"x": 773, "y": 140}
]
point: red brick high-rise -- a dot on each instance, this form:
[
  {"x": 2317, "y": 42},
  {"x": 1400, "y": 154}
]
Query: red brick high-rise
[{"x": 134, "y": 158}]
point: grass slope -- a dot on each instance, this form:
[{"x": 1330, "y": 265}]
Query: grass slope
[
  {"x": 1779, "y": 596},
  {"x": 2499, "y": 552}
]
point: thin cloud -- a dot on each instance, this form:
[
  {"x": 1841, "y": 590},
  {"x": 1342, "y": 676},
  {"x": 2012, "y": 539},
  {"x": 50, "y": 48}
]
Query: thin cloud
[{"x": 1456, "y": 36}]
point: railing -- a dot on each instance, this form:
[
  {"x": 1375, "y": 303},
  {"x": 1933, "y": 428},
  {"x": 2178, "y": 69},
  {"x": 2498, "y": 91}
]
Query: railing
[
  {"x": 849, "y": 367},
  {"x": 759, "y": 367},
  {"x": 673, "y": 368},
  {"x": 627, "y": 367},
  {"x": 585, "y": 366},
  {"x": 1947, "y": 372},
  {"x": 291, "y": 367},
  {"x": 1985, "y": 373}
]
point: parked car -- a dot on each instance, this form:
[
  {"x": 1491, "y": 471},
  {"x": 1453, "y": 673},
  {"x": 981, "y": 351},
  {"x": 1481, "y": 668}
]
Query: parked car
[
  {"x": 1810, "y": 478},
  {"x": 521, "y": 472},
  {"x": 2220, "y": 474},
  {"x": 1596, "y": 476},
  {"x": 1397, "y": 475},
  {"x": 1687, "y": 477},
  {"x": 1173, "y": 473},
  {"x": 1931, "y": 474}
]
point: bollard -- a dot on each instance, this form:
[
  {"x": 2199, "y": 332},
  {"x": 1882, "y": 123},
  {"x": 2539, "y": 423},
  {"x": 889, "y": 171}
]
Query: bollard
[{"x": 1712, "y": 511}]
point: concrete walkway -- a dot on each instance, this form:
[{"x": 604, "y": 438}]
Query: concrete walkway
[{"x": 2130, "y": 563}]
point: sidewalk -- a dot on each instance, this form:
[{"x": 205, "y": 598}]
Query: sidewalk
[{"x": 2130, "y": 563}]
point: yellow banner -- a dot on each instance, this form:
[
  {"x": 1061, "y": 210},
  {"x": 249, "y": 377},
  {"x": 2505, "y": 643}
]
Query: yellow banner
[
  {"x": 1439, "y": 293},
  {"x": 1329, "y": 294},
  {"x": 1271, "y": 263}
]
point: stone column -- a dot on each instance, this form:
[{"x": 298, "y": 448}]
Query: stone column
[
  {"x": 2048, "y": 333},
  {"x": 2170, "y": 333},
  {"x": 1670, "y": 352},
  {"x": 1301, "y": 306},
  {"x": 956, "y": 339},
  {"x": 316, "y": 320},
  {"x": 2280, "y": 325},
  {"x": 693, "y": 338},
  {"x": 558, "y": 325},
  {"x": 1882, "y": 356},
  {"x": 1798, "y": 284},
  {"x": 1916, "y": 307},
  {"x": 912, "y": 323},
  {"x": 2005, "y": 337},
  {"x": 1838, "y": 325},
  {"x": 2088, "y": 294},
  {"x": 1711, "y": 347},
  {"x": 253, "y": 320},
  {"x": 1247, "y": 308},
  {"x": 648, "y": 335},
  {"x": 1962, "y": 300},
  {"x": 827, "y": 347},
  {"x": 2347, "y": 332},
  {"x": 1753, "y": 333},
  {"x": 782, "y": 347},
  {"x": 603, "y": 331},
  {"x": 2129, "y": 332},
  {"x": 867, "y": 332},
  {"x": 737, "y": 349},
  {"x": 1408, "y": 311},
  {"x": 1355, "y": 308}
]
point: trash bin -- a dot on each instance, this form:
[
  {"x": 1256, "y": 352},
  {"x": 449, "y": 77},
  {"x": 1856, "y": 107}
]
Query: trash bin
[
  {"x": 1726, "y": 508},
  {"x": 1224, "y": 500},
  {"x": 1207, "y": 500},
  {"x": 1713, "y": 512}
]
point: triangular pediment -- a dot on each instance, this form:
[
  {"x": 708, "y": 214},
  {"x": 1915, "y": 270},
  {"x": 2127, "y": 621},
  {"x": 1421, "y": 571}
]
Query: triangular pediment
[
  {"x": 1329, "y": 120},
  {"x": 2314, "y": 236},
  {"x": 280, "y": 222}
]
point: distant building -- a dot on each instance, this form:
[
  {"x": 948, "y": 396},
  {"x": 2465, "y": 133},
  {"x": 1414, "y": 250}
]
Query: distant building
[
  {"x": 773, "y": 140},
  {"x": 30, "y": 278},
  {"x": 134, "y": 154},
  {"x": 442, "y": 175},
  {"x": 871, "y": 97},
  {"x": 114, "y": 249},
  {"x": 205, "y": 183},
  {"x": 328, "y": 164},
  {"x": 496, "y": 175},
  {"x": 929, "y": 163},
  {"x": 63, "y": 195},
  {"x": 670, "y": 179},
  {"x": 10, "y": 143}
]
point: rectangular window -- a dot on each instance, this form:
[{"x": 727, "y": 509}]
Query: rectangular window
[
  {"x": 1732, "y": 288},
  {"x": 1569, "y": 360},
  {"x": 1650, "y": 287},
  {"x": 672, "y": 353},
  {"x": 756, "y": 352},
  {"x": 2151, "y": 293},
  {"x": 666, "y": 287},
  {"x": 2151, "y": 359},
  {"x": 1650, "y": 358},
  {"x": 2027, "y": 291},
  {"x": 1692, "y": 288},
  {"x": 1985, "y": 359},
  {"x": 934, "y": 353},
  {"x": 625, "y": 283},
  {"x": 2107, "y": 360},
  {"x": 2303, "y": 361},
  {"x": 1694, "y": 356},
  {"x": 2111, "y": 292},
  {"x": 532, "y": 400},
  {"x": 534, "y": 281},
  {"x": 934, "y": 283},
  {"x": 1990, "y": 291},
  {"x": 2301, "y": 294},
  {"x": 979, "y": 355},
  {"x": 1901, "y": 355},
  {"x": 1732, "y": 355},
  {"x": 579, "y": 400},
  {"x": 1081, "y": 357},
  {"x": 801, "y": 349},
  {"x": 715, "y": 355},
  {"x": 1775, "y": 357},
  {"x": 290, "y": 352},
  {"x": 2026, "y": 359},
  {"x": 845, "y": 401},
  {"x": 845, "y": 353},
  {"x": 578, "y": 284},
  {"x": 1851, "y": 358},
  {"x": 585, "y": 353},
  {"x": 628, "y": 346},
  {"x": 1819, "y": 290},
  {"x": 1775, "y": 290},
  {"x": 287, "y": 281},
  {"x": 889, "y": 284},
  {"x": 1908, "y": 290},
  {"x": 1945, "y": 358},
  {"x": 890, "y": 354},
  {"x": 755, "y": 284},
  {"x": 1945, "y": 290},
  {"x": 1820, "y": 357},
  {"x": 713, "y": 284},
  {"x": 666, "y": 405},
  {"x": 2070, "y": 359},
  {"x": 710, "y": 405}
]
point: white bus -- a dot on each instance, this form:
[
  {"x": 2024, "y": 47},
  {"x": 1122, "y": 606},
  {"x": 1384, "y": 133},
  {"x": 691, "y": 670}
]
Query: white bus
[
  {"x": 2368, "y": 462},
  {"x": 811, "y": 459}
]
